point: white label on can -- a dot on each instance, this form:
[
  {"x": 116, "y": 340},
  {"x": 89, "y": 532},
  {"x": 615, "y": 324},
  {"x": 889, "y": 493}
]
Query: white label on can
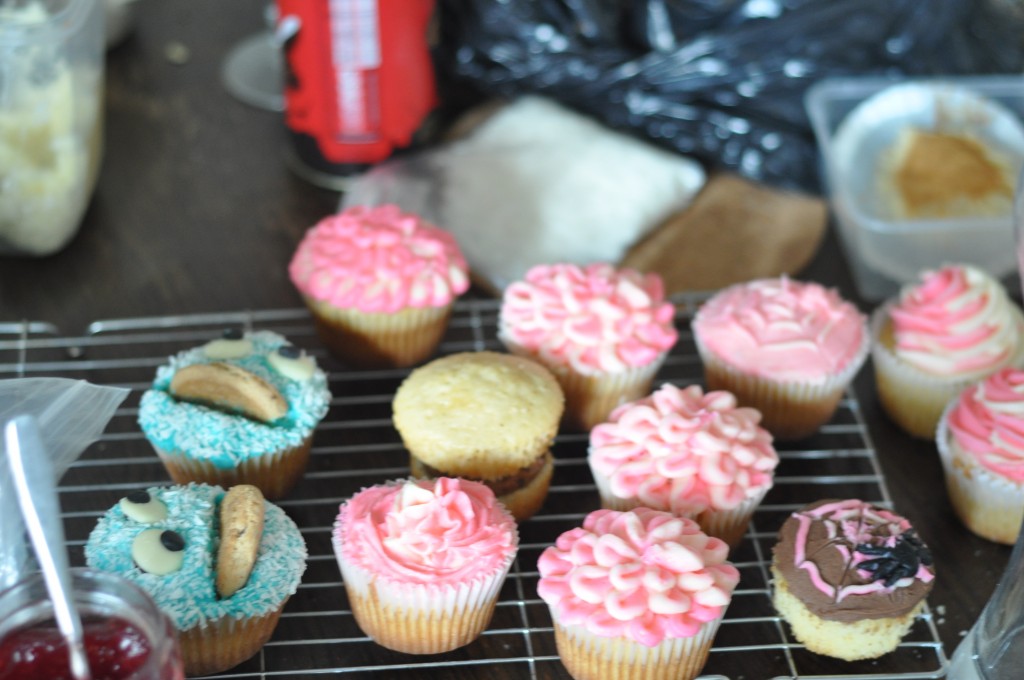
[{"x": 355, "y": 49}]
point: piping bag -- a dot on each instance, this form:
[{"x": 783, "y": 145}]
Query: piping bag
[{"x": 71, "y": 415}]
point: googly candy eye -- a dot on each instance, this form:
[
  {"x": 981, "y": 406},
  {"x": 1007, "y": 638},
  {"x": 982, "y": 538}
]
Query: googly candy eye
[
  {"x": 292, "y": 362},
  {"x": 231, "y": 345},
  {"x": 142, "y": 507},
  {"x": 158, "y": 551}
]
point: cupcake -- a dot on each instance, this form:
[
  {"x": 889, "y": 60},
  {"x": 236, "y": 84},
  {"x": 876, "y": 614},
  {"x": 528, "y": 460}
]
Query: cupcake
[
  {"x": 636, "y": 594},
  {"x": 380, "y": 284},
  {"x": 484, "y": 416},
  {"x": 682, "y": 451},
  {"x": 787, "y": 348},
  {"x": 423, "y": 561},
  {"x": 950, "y": 328},
  {"x": 220, "y": 564},
  {"x": 849, "y": 578},
  {"x": 602, "y": 332},
  {"x": 238, "y": 410},
  {"x": 981, "y": 443}
]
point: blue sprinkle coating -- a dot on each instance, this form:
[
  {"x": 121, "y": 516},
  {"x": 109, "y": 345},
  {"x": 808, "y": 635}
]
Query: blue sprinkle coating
[
  {"x": 189, "y": 596},
  {"x": 224, "y": 439}
]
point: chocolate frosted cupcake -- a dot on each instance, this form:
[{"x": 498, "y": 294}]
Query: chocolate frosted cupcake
[{"x": 849, "y": 578}]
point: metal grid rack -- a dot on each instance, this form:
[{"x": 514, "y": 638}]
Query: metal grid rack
[{"x": 357, "y": 446}]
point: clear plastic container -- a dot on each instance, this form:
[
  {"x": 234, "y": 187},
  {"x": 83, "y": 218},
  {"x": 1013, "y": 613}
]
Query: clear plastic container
[
  {"x": 51, "y": 95},
  {"x": 856, "y": 119}
]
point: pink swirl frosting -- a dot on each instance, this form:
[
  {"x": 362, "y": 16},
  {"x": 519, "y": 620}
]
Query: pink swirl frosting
[
  {"x": 684, "y": 451},
  {"x": 443, "y": 531},
  {"x": 987, "y": 422},
  {"x": 593, "y": 318},
  {"x": 782, "y": 329},
  {"x": 956, "y": 321},
  {"x": 379, "y": 260},
  {"x": 644, "y": 575}
]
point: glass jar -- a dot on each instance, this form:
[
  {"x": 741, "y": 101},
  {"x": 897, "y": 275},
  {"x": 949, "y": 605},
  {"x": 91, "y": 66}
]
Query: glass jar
[
  {"x": 127, "y": 637},
  {"x": 51, "y": 95}
]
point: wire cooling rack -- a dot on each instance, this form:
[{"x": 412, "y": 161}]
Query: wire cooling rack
[{"x": 357, "y": 446}]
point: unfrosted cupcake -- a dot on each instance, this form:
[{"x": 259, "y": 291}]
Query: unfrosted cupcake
[
  {"x": 380, "y": 284},
  {"x": 637, "y": 594},
  {"x": 981, "y": 443},
  {"x": 423, "y": 561},
  {"x": 850, "y": 578},
  {"x": 787, "y": 348},
  {"x": 240, "y": 409},
  {"x": 222, "y": 565},
  {"x": 682, "y": 451},
  {"x": 951, "y": 327},
  {"x": 603, "y": 332}
]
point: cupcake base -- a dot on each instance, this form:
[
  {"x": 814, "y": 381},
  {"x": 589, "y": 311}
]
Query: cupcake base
[
  {"x": 590, "y": 657},
  {"x": 371, "y": 340},
  {"x": 273, "y": 474},
  {"x": 225, "y": 643},
  {"x": 846, "y": 640}
]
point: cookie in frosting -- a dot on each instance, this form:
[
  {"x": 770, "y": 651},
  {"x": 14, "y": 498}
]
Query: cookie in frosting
[
  {"x": 981, "y": 443},
  {"x": 167, "y": 541},
  {"x": 240, "y": 409},
  {"x": 953, "y": 326},
  {"x": 850, "y": 577}
]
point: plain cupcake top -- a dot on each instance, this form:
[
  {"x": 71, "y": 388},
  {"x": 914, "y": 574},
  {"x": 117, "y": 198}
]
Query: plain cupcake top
[
  {"x": 848, "y": 560},
  {"x": 440, "y": 532},
  {"x": 596, "y": 319},
  {"x": 645, "y": 575},
  {"x": 684, "y": 451},
  {"x": 987, "y": 422},
  {"x": 379, "y": 260},
  {"x": 954, "y": 321},
  {"x": 782, "y": 329},
  {"x": 188, "y": 594}
]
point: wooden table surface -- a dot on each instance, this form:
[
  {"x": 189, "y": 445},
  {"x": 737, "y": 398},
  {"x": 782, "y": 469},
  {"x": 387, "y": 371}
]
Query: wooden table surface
[{"x": 196, "y": 211}]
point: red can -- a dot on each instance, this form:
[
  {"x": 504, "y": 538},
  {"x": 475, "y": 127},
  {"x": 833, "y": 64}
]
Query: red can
[{"x": 359, "y": 81}]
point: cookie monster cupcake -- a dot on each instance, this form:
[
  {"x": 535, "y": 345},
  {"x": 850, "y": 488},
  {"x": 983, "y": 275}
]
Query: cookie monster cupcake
[
  {"x": 423, "y": 561},
  {"x": 380, "y": 284},
  {"x": 603, "y": 332},
  {"x": 220, "y": 564},
  {"x": 637, "y": 594},
  {"x": 238, "y": 410},
  {"x": 683, "y": 451}
]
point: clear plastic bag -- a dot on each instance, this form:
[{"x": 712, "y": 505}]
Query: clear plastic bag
[
  {"x": 71, "y": 415},
  {"x": 722, "y": 81}
]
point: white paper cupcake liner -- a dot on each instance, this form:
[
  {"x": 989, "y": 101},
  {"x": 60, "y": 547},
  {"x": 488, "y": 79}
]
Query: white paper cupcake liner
[{"x": 989, "y": 505}]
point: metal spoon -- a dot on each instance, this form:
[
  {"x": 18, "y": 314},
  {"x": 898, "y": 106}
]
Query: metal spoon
[{"x": 32, "y": 473}]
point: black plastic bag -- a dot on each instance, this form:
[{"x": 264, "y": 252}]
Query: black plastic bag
[{"x": 722, "y": 81}]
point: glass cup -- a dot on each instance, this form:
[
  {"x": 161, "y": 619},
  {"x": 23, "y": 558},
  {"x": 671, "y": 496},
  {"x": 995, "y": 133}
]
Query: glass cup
[{"x": 127, "y": 637}]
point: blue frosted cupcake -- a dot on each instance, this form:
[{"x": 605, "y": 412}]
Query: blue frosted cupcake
[
  {"x": 238, "y": 410},
  {"x": 183, "y": 545}
]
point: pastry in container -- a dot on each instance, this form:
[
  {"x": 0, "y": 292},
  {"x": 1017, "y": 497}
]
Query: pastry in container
[
  {"x": 603, "y": 332},
  {"x": 380, "y": 284},
  {"x": 221, "y": 564},
  {"x": 950, "y": 328},
  {"x": 423, "y": 561},
  {"x": 636, "y": 594},
  {"x": 849, "y": 578},
  {"x": 486, "y": 416},
  {"x": 785, "y": 347},
  {"x": 683, "y": 451},
  {"x": 981, "y": 443},
  {"x": 240, "y": 409}
]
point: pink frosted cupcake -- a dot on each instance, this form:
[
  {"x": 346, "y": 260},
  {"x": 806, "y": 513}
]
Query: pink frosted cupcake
[
  {"x": 423, "y": 561},
  {"x": 951, "y": 328},
  {"x": 981, "y": 442},
  {"x": 602, "y": 332},
  {"x": 636, "y": 594},
  {"x": 379, "y": 283},
  {"x": 692, "y": 454},
  {"x": 787, "y": 348}
]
